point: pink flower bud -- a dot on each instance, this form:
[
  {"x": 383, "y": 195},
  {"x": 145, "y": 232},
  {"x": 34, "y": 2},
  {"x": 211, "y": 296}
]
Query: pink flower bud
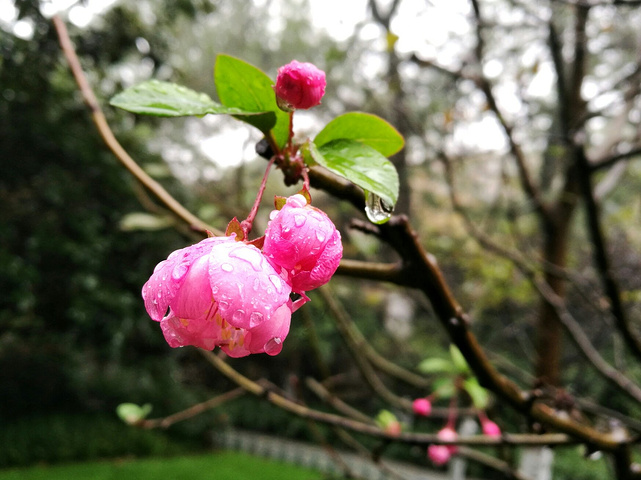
[
  {"x": 490, "y": 428},
  {"x": 220, "y": 293},
  {"x": 438, "y": 454},
  {"x": 299, "y": 86},
  {"x": 303, "y": 244},
  {"x": 441, "y": 454},
  {"x": 422, "y": 406}
]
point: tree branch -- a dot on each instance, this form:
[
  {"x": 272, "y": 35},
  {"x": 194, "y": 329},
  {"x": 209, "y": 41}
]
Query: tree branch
[{"x": 108, "y": 137}]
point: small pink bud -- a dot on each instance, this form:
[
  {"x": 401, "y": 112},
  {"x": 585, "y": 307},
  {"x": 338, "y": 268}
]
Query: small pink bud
[
  {"x": 422, "y": 406},
  {"x": 299, "y": 86},
  {"x": 448, "y": 434},
  {"x": 303, "y": 244},
  {"x": 490, "y": 428},
  {"x": 438, "y": 454}
]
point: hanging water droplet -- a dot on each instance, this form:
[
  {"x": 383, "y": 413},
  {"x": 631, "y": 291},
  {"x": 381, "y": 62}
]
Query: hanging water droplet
[
  {"x": 377, "y": 210},
  {"x": 255, "y": 319},
  {"x": 274, "y": 346}
]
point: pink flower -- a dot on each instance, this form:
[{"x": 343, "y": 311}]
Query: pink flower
[
  {"x": 302, "y": 243},
  {"x": 299, "y": 85},
  {"x": 438, "y": 454},
  {"x": 441, "y": 454},
  {"x": 422, "y": 406},
  {"x": 490, "y": 428},
  {"x": 220, "y": 293}
]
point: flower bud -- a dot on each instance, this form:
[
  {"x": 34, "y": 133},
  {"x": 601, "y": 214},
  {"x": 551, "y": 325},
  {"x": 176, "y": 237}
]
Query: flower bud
[
  {"x": 299, "y": 86},
  {"x": 220, "y": 293},
  {"x": 303, "y": 244},
  {"x": 422, "y": 407},
  {"x": 490, "y": 428},
  {"x": 441, "y": 454}
]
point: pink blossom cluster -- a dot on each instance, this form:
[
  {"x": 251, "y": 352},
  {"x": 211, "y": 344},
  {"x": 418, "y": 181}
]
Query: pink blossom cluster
[{"x": 229, "y": 294}]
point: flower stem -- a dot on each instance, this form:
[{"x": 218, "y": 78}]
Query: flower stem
[{"x": 247, "y": 224}]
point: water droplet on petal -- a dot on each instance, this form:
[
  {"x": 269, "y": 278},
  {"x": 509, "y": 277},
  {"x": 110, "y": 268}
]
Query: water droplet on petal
[
  {"x": 273, "y": 214},
  {"x": 274, "y": 346},
  {"x": 299, "y": 220},
  {"x": 227, "y": 267},
  {"x": 255, "y": 319},
  {"x": 238, "y": 316},
  {"x": 179, "y": 271},
  {"x": 256, "y": 284},
  {"x": 320, "y": 236},
  {"x": 159, "y": 294},
  {"x": 377, "y": 210},
  {"x": 214, "y": 290},
  {"x": 276, "y": 281},
  {"x": 249, "y": 255}
]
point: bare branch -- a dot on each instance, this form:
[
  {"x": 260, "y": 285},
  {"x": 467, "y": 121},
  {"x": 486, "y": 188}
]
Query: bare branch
[{"x": 110, "y": 140}]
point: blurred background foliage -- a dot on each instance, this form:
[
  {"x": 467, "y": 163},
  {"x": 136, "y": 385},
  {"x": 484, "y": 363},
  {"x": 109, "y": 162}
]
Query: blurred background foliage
[{"x": 79, "y": 237}]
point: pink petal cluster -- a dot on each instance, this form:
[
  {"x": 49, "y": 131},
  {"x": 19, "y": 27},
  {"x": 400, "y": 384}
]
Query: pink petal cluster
[
  {"x": 228, "y": 294},
  {"x": 422, "y": 407},
  {"x": 441, "y": 454},
  {"x": 299, "y": 86},
  {"x": 302, "y": 243},
  {"x": 220, "y": 293}
]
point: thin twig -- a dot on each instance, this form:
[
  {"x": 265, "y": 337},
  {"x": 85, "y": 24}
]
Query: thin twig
[
  {"x": 194, "y": 410},
  {"x": 107, "y": 135}
]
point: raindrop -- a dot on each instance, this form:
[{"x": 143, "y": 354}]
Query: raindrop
[
  {"x": 179, "y": 271},
  {"x": 299, "y": 220},
  {"x": 377, "y": 210},
  {"x": 247, "y": 254},
  {"x": 227, "y": 267},
  {"x": 320, "y": 236},
  {"x": 214, "y": 289},
  {"x": 159, "y": 294},
  {"x": 274, "y": 346},
  {"x": 238, "y": 316},
  {"x": 276, "y": 282},
  {"x": 255, "y": 319}
]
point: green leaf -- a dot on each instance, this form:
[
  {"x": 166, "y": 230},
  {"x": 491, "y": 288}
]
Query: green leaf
[
  {"x": 459, "y": 360},
  {"x": 131, "y": 414},
  {"x": 444, "y": 387},
  {"x": 436, "y": 365},
  {"x": 364, "y": 128},
  {"x": 358, "y": 163},
  {"x": 164, "y": 99},
  {"x": 480, "y": 397},
  {"x": 248, "y": 88}
]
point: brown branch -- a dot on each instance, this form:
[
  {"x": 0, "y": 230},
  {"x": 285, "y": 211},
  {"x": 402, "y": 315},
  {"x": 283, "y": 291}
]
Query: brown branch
[
  {"x": 601, "y": 258},
  {"x": 360, "y": 343},
  {"x": 573, "y": 328},
  {"x": 108, "y": 137},
  {"x": 356, "y": 345},
  {"x": 194, "y": 410},
  {"x": 422, "y": 439},
  {"x": 611, "y": 160},
  {"x": 484, "y": 84},
  {"x": 382, "y": 272}
]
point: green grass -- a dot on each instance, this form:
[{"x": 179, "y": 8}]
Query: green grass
[{"x": 216, "y": 466}]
